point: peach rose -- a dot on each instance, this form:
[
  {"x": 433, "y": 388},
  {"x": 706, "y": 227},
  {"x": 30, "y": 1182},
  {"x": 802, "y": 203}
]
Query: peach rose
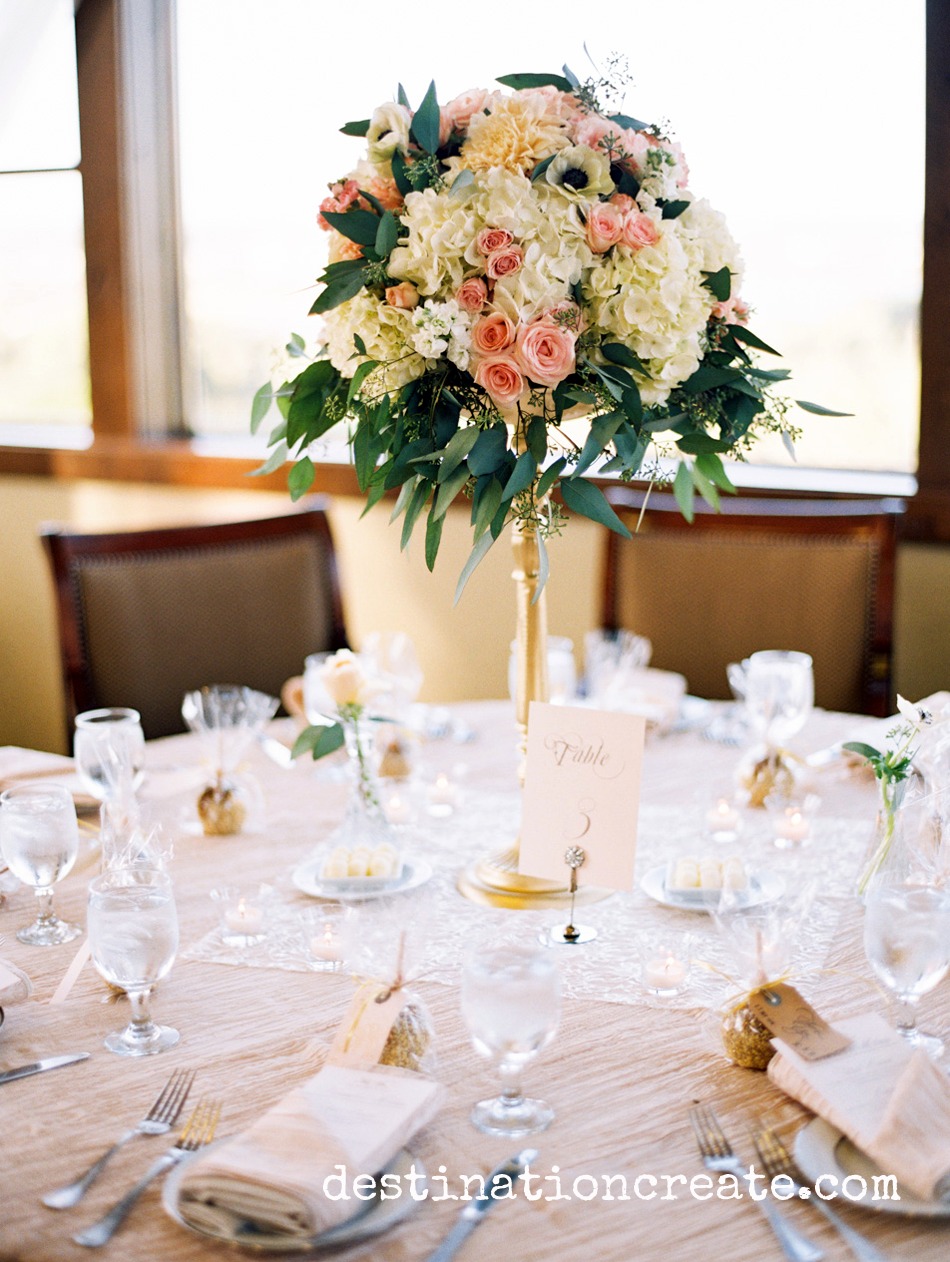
[
  {"x": 472, "y": 294},
  {"x": 491, "y": 239},
  {"x": 502, "y": 378},
  {"x": 605, "y": 223},
  {"x": 460, "y": 110},
  {"x": 545, "y": 351},
  {"x": 492, "y": 333},
  {"x": 639, "y": 230},
  {"x": 342, "y": 248},
  {"x": 504, "y": 262},
  {"x": 403, "y": 295},
  {"x": 623, "y": 203}
]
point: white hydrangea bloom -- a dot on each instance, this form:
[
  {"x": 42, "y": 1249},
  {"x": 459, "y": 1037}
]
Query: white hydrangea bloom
[{"x": 387, "y": 334}]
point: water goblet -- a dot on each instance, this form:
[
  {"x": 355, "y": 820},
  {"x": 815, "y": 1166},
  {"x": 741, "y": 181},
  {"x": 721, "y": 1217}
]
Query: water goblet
[
  {"x": 109, "y": 749},
  {"x": 133, "y": 938},
  {"x": 39, "y": 839},
  {"x": 511, "y": 1006},
  {"x": 779, "y": 693},
  {"x": 907, "y": 943}
]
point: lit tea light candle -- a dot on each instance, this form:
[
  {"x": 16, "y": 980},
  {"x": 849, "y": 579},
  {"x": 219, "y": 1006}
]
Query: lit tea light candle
[
  {"x": 398, "y": 810},
  {"x": 791, "y": 827},
  {"x": 244, "y": 918},
  {"x": 326, "y": 945},
  {"x": 723, "y": 820},
  {"x": 665, "y": 973},
  {"x": 442, "y": 795}
]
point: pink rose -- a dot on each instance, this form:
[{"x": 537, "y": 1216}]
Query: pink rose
[
  {"x": 639, "y": 230},
  {"x": 504, "y": 262},
  {"x": 492, "y": 333},
  {"x": 623, "y": 203},
  {"x": 472, "y": 294},
  {"x": 403, "y": 295},
  {"x": 605, "y": 223},
  {"x": 491, "y": 239},
  {"x": 592, "y": 130},
  {"x": 502, "y": 378},
  {"x": 545, "y": 351},
  {"x": 460, "y": 110}
]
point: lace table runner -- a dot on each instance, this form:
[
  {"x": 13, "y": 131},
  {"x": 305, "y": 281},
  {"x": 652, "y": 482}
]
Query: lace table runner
[{"x": 442, "y": 925}]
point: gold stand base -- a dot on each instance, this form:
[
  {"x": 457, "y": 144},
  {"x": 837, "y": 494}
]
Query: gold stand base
[{"x": 496, "y": 882}]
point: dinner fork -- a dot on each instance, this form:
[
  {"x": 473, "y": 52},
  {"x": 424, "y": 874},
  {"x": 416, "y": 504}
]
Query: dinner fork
[
  {"x": 197, "y": 1131},
  {"x": 160, "y": 1118},
  {"x": 718, "y": 1154},
  {"x": 776, "y": 1160}
]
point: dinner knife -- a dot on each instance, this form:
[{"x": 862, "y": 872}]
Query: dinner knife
[
  {"x": 475, "y": 1211},
  {"x": 41, "y": 1066}
]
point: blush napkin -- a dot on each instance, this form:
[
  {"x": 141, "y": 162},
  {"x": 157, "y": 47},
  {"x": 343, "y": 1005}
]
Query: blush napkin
[
  {"x": 891, "y": 1100},
  {"x": 270, "y": 1179}
]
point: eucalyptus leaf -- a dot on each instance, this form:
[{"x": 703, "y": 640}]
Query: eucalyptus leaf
[
  {"x": 386, "y": 234},
  {"x": 536, "y": 437},
  {"x": 624, "y": 120},
  {"x": 818, "y": 410},
  {"x": 673, "y": 210},
  {"x": 475, "y": 557},
  {"x": 788, "y": 444},
  {"x": 519, "y": 81},
  {"x": 300, "y": 478},
  {"x": 711, "y": 465},
  {"x": 683, "y": 491},
  {"x": 719, "y": 283},
  {"x": 463, "y": 183},
  {"x": 273, "y": 462},
  {"x": 617, "y": 353},
  {"x": 339, "y": 291},
  {"x": 424, "y": 127},
  {"x": 587, "y": 499},
  {"x": 488, "y": 505},
  {"x": 319, "y": 740},
  {"x": 260, "y": 405},
  {"x": 488, "y": 454},
  {"x": 434, "y": 526},
  {"x": 357, "y": 128},
  {"x": 550, "y": 476},
  {"x": 356, "y": 225},
  {"x": 742, "y": 334},
  {"x": 450, "y": 488},
  {"x": 544, "y": 568},
  {"x": 460, "y": 444},
  {"x": 523, "y": 474},
  {"x": 417, "y": 502}
]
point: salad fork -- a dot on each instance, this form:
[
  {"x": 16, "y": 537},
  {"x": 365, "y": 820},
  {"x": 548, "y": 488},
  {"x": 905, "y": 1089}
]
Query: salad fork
[
  {"x": 718, "y": 1154},
  {"x": 160, "y": 1118},
  {"x": 197, "y": 1131},
  {"x": 776, "y": 1160}
]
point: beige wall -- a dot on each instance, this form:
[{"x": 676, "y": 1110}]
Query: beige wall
[{"x": 463, "y": 649}]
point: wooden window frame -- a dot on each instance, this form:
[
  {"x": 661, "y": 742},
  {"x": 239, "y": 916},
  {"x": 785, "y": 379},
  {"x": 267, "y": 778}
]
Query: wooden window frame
[{"x": 139, "y": 432}]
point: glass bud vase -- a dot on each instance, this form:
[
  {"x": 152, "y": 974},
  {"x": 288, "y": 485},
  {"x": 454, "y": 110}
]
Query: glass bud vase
[
  {"x": 880, "y": 852},
  {"x": 364, "y": 822}
]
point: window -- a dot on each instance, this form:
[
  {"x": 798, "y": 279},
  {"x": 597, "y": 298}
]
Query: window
[{"x": 44, "y": 348}]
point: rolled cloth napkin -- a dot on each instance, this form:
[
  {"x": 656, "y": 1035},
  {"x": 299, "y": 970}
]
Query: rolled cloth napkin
[
  {"x": 891, "y": 1100},
  {"x": 15, "y": 986},
  {"x": 272, "y": 1178}
]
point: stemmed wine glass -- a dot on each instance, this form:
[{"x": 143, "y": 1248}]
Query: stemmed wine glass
[
  {"x": 511, "y": 1005},
  {"x": 133, "y": 937},
  {"x": 39, "y": 839},
  {"x": 109, "y": 749},
  {"x": 907, "y": 942}
]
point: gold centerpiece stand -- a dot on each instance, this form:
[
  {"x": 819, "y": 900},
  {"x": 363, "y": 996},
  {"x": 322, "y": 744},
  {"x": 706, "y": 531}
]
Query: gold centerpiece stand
[{"x": 496, "y": 881}]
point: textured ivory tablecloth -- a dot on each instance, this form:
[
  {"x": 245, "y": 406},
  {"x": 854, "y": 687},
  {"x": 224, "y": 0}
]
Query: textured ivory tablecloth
[{"x": 620, "y": 1075}]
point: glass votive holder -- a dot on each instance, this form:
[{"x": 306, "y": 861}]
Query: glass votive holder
[
  {"x": 243, "y": 914},
  {"x": 666, "y": 964},
  {"x": 723, "y": 818},
  {"x": 398, "y": 806},
  {"x": 326, "y": 936},
  {"x": 791, "y": 818}
]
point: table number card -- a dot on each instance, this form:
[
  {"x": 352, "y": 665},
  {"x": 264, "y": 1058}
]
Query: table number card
[{"x": 582, "y": 788}]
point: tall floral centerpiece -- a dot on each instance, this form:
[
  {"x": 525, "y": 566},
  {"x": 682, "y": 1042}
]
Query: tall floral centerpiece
[{"x": 500, "y": 266}]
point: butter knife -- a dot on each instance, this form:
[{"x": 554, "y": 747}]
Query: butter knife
[
  {"x": 475, "y": 1210},
  {"x": 41, "y": 1066}
]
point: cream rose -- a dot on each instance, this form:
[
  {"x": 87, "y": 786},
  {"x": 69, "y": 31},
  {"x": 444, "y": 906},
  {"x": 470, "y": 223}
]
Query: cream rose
[
  {"x": 403, "y": 295},
  {"x": 502, "y": 378},
  {"x": 344, "y": 679},
  {"x": 492, "y": 333},
  {"x": 545, "y": 352}
]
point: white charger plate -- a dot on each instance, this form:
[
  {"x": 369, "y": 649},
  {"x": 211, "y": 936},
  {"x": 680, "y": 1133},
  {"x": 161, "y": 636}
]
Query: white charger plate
[
  {"x": 764, "y": 887},
  {"x": 821, "y": 1149},
  {"x": 372, "y": 1218},
  {"x": 306, "y": 877}
]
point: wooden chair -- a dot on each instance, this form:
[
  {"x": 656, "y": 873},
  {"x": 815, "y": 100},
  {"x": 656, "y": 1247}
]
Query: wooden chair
[
  {"x": 813, "y": 575},
  {"x": 147, "y": 615}
]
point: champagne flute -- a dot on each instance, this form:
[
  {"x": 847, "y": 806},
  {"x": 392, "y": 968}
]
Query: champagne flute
[
  {"x": 109, "y": 749},
  {"x": 907, "y": 942},
  {"x": 511, "y": 1005},
  {"x": 133, "y": 937},
  {"x": 39, "y": 839}
]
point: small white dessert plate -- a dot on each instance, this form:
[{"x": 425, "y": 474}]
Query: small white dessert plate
[
  {"x": 822, "y": 1150},
  {"x": 763, "y": 887},
  {"x": 306, "y": 877}
]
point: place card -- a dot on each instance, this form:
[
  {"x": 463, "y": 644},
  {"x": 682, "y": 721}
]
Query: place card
[
  {"x": 367, "y": 1024},
  {"x": 789, "y": 1016},
  {"x": 582, "y": 789}
]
